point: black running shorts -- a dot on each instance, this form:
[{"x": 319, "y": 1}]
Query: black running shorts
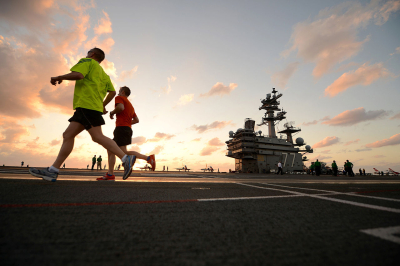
[
  {"x": 88, "y": 118},
  {"x": 123, "y": 136}
]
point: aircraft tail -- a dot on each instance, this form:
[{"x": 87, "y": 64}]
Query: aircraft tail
[{"x": 376, "y": 169}]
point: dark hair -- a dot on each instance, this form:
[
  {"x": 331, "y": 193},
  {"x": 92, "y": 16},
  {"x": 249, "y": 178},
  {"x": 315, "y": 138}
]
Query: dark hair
[
  {"x": 126, "y": 90},
  {"x": 98, "y": 54}
]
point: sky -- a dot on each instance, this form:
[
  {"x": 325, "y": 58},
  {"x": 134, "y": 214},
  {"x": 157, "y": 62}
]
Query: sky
[{"x": 197, "y": 69}]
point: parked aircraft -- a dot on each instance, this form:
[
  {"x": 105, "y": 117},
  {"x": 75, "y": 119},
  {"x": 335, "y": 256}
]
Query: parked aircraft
[
  {"x": 208, "y": 169},
  {"x": 146, "y": 167},
  {"x": 184, "y": 168},
  {"x": 391, "y": 171}
]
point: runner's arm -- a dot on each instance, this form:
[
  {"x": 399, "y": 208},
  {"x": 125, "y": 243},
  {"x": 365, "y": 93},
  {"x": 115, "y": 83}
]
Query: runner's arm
[
  {"x": 118, "y": 109},
  {"x": 69, "y": 76},
  {"x": 135, "y": 120},
  {"x": 110, "y": 96}
]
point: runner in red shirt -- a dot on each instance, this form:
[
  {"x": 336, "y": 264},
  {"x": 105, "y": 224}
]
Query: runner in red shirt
[{"x": 126, "y": 117}]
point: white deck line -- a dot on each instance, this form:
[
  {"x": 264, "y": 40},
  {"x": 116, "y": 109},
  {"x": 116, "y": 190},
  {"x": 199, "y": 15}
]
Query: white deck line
[
  {"x": 258, "y": 197},
  {"x": 343, "y": 193},
  {"x": 369, "y": 206},
  {"x": 385, "y": 233}
]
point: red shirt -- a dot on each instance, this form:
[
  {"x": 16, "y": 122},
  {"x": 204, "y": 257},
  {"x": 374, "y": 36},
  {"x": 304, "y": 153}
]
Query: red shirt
[{"x": 124, "y": 119}]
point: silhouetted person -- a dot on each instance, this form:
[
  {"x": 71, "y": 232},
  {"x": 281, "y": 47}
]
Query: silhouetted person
[
  {"x": 22, "y": 163},
  {"x": 93, "y": 161},
  {"x": 279, "y": 168},
  {"x": 317, "y": 168},
  {"x": 334, "y": 168}
]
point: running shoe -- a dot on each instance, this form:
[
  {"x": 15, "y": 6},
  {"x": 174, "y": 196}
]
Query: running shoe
[
  {"x": 106, "y": 177},
  {"x": 128, "y": 164},
  {"x": 152, "y": 162},
  {"x": 44, "y": 173}
]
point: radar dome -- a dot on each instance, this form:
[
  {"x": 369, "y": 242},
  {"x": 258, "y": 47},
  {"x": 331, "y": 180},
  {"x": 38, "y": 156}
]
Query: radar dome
[
  {"x": 231, "y": 134},
  {"x": 300, "y": 141},
  {"x": 240, "y": 129},
  {"x": 308, "y": 147}
]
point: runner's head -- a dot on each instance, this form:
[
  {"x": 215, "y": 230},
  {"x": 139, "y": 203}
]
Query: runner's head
[
  {"x": 124, "y": 91},
  {"x": 96, "y": 54}
]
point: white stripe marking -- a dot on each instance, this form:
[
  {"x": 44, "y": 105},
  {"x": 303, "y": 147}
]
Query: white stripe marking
[
  {"x": 385, "y": 233},
  {"x": 332, "y": 199},
  {"x": 343, "y": 193}
]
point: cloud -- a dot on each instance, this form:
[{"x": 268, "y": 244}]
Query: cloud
[
  {"x": 11, "y": 132},
  {"x": 215, "y": 142},
  {"x": 30, "y": 14},
  {"x": 397, "y": 51},
  {"x": 355, "y": 116},
  {"x": 331, "y": 37},
  {"x": 54, "y": 142},
  {"x": 364, "y": 75},
  {"x": 328, "y": 141},
  {"x": 351, "y": 142},
  {"x": 127, "y": 74},
  {"x": 320, "y": 158},
  {"x": 361, "y": 150},
  {"x": 393, "y": 140},
  {"x": 280, "y": 78},
  {"x": 208, "y": 150},
  {"x": 104, "y": 25},
  {"x": 324, "y": 151},
  {"x": 157, "y": 149},
  {"x": 138, "y": 140},
  {"x": 310, "y": 123},
  {"x": 161, "y": 136},
  {"x": 213, "y": 125},
  {"x": 396, "y": 116},
  {"x": 48, "y": 36},
  {"x": 198, "y": 139},
  {"x": 185, "y": 99},
  {"x": 168, "y": 89},
  {"x": 220, "y": 89}
]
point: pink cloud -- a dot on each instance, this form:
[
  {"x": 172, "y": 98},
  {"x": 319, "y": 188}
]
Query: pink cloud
[
  {"x": 198, "y": 139},
  {"x": 216, "y": 142},
  {"x": 320, "y": 158},
  {"x": 310, "y": 123},
  {"x": 331, "y": 37},
  {"x": 11, "y": 132},
  {"x": 351, "y": 142},
  {"x": 328, "y": 141},
  {"x": 48, "y": 47},
  {"x": 396, "y": 116},
  {"x": 157, "y": 149},
  {"x": 208, "y": 150},
  {"x": 54, "y": 142},
  {"x": 159, "y": 136},
  {"x": 364, "y": 75},
  {"x": 127, "y": 74},
  {"x": 104, "y": 25},
  {"x": 280, "y": 78},
  {"x": 213, "y": 125},
  {"x": 393, "y": 140},
  {"x": 138, "y": 140},
  {"x": 355, "y": 116},
  {"x": 220, "y": 89}
]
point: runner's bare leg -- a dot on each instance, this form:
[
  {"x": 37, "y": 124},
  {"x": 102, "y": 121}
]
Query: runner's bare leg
[
  {"x": 67, "y": 146},
  {"x": 97, "y": 136}
]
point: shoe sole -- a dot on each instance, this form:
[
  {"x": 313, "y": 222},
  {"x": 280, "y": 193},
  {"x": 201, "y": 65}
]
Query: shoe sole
[
  {"x": 132, "y": 163},
  {"x": 105, "y": 179},
  {"x": 47, "y": 178}
]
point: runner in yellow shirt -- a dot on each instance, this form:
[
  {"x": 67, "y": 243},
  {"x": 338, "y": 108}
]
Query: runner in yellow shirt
[{"x": 91, "y": 87}]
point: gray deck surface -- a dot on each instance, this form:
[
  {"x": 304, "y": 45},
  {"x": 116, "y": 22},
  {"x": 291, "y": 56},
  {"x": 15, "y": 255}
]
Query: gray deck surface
[{"x": 157, "y": 218}]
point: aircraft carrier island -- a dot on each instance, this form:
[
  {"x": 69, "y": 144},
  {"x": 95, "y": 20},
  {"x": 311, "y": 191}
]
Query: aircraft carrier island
[{"x": 257, "y": 153}]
